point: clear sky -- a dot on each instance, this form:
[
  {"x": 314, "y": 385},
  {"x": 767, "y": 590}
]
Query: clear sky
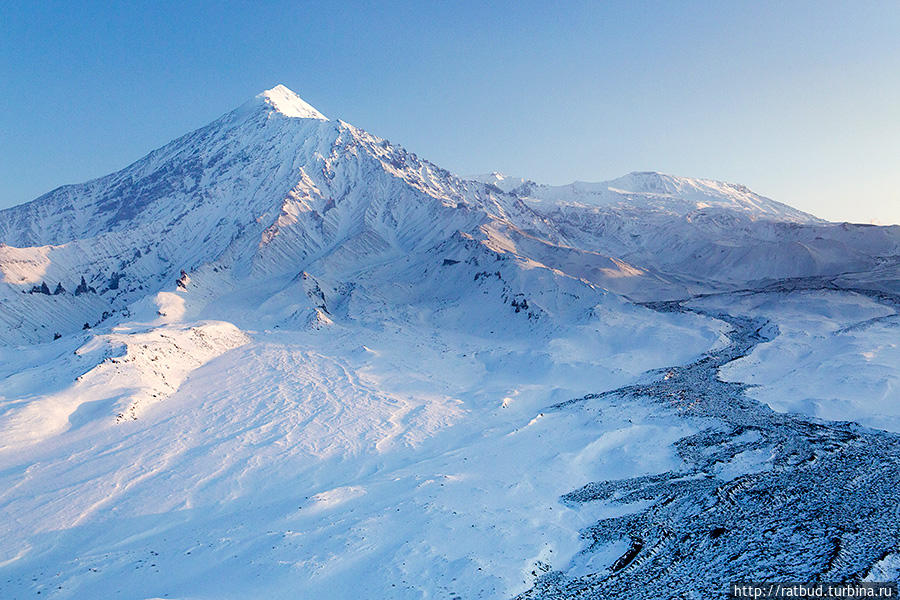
[{"x": 798, "y": 100}]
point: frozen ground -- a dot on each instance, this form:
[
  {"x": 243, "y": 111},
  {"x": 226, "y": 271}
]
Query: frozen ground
[
  {"x": 298, "y": 460},
  {"x": 836, "y": 357},
  {"x": 758, "y": 495},
  {"x": 461, "y": 465}
]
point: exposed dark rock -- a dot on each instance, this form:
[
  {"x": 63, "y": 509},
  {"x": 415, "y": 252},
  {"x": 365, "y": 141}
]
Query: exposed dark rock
[
  {"x": 83, "y": 287},
  {"x": 40, "y": 289},
  {"x": 114, "y": 281}
]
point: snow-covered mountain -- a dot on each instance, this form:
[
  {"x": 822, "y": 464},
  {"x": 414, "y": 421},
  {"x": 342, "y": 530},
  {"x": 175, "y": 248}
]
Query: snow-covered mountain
[
  {"x": 270, "y": 189},
  {"x": 701, "y": 230},
  {"x": 274, "y": 188},
  {"x": 655, "y": 192},
  {"x": 281, "y": 353}
]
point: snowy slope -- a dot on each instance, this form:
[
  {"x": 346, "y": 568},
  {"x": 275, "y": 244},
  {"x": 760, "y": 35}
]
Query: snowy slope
[
  {"x": 652, "y": 191},
  {"x": 267, "y": 189},
  {"x": 702, "y": 230},
  {"x": 281, "y": 354}
]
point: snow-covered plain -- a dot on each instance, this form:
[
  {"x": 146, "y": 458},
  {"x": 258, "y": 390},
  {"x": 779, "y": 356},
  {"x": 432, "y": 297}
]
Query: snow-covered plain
[
  {"x": 281, "y": 357},
  {"x": 405, "y": 461},
  {"x": 835, "y": 358}
]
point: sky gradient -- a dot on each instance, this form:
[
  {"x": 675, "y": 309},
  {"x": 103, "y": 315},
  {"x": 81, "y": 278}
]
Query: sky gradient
[{"x": 800, "y": 101}]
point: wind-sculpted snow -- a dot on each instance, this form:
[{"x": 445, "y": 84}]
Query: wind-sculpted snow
[{"x": 400, "y": 455}]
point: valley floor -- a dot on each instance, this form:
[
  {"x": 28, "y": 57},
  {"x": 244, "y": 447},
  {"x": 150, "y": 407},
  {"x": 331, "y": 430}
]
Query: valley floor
[{"x": 410, "y": 461}]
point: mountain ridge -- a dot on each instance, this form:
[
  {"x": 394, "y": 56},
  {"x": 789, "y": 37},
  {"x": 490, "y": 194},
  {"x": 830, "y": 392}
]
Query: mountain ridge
[
  {"x": 674, "y": 193},
  {"x": 273, "y": 187}
]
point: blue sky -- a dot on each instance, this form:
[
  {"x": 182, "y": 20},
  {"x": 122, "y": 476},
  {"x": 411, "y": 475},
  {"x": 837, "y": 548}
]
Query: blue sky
[{"x": 798, "y": 100}]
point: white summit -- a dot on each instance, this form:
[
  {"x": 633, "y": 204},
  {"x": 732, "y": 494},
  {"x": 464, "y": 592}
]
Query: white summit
[{"x": 288, "y": 103}]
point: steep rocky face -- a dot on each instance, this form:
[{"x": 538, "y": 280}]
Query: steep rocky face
[{"x": 269, "y": 188}]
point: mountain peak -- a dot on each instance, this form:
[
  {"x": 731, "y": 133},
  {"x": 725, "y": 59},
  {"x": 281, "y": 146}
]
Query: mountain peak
[
  {"x": 288, "y": 103},
  {"x": 498, "y": 179}
]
